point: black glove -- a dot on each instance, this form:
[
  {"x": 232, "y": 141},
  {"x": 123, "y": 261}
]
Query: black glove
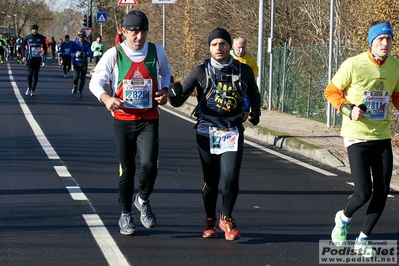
[
  {"x": 363, "y": 107},
  {"x": 97, "y": 48},
  {"x": 175, "y": 89},
  {"x": 254, "y": 117}
]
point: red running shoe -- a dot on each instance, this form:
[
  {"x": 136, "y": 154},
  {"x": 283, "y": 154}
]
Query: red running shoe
[
  {"x": 210, "y": 228},
  {"x": 228, "y": 225}
]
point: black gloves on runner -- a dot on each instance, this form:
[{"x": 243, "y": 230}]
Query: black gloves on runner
[
  {"x": 363, "y": 107},
  {"x": 346, "y": 109},
  {"x": 175, "y": 89},
  {"x": 254, "y": 117}
]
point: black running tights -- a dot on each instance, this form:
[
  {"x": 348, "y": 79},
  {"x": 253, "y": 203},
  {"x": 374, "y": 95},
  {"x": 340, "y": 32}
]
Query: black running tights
[
  {"x": 225, "y": 166},
  {"x": 377, "y": 156},
  {"x": 131, "y": 137},
  {"x": 33, "y": 72}
]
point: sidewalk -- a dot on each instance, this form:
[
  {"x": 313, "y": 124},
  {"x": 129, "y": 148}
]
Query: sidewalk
[{"x": 299, "y": 135}]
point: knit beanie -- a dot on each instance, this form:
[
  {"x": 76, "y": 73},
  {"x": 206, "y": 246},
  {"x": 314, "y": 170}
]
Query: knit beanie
[{"x": 219, "y": 33}]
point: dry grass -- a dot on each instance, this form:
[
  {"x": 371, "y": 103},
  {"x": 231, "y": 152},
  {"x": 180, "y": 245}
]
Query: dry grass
[{"x": 395, "y": 142}]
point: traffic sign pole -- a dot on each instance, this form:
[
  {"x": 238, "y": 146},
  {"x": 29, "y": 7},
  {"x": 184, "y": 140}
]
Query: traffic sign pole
[
  {"x": 127, "y": 2},
  {"x": 101, "y": 18},
  {"x": 163, "y": 2}
]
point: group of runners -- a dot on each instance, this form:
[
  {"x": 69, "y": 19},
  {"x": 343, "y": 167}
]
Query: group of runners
[
  {"x": 10, "y": 47},
  {"x": 141, "y": 79}
]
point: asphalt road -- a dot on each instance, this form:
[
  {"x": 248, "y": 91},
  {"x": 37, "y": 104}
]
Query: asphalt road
[{"x": 58, "y": 190}]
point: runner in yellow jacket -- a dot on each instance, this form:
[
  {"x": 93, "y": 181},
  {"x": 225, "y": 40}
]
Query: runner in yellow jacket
[{"x": 362, "y": 89}]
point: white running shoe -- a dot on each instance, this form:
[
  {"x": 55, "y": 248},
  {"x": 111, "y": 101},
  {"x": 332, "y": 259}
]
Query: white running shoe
[
  {"x": 126, "y": 224},
  {"x": 147, "y": 216}
]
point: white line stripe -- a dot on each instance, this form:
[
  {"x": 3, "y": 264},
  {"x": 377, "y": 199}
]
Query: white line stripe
[
  {"x": 306, "y": 165},
  {"x": 104, "y": 240},
  {"x": 106, "y": 243},
  {"x": 76, "y": 193},
  {"x": 353, "y": 184},
  {"x": 62, "y": 171},
  {"x": 48, "y": 149},
  {"x": 264, "y": 149}
]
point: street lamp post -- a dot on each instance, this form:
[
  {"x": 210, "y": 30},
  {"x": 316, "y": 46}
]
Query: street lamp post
[
  {"x": 5, "y": 16},
  {"x": 8, "y": 30}
]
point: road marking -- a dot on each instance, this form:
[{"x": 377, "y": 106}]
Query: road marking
[
  {"x": 105, "y": 241},
  {"x": 288, "y": 158},
  {"x": 48, "y": 149},
  {"x": 62, "y": 171},
  {"x": 306, "y": 165},
  {"x": 76, "y": 193}
]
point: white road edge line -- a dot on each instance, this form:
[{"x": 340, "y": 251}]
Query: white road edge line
[
  {"x": 311, "y": 167},
  {"x": 48, "y": 149},
  {"x": 306, "y": 165},
  {"x": 105, "y": 241}
]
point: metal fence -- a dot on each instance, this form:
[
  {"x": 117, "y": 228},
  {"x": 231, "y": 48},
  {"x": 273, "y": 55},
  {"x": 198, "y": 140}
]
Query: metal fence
[{"x": 300, "y": 75}]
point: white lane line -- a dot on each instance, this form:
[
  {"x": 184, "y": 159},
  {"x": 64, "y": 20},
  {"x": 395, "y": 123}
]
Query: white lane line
[
  {"x": 104, "y": 240},
  {"x": 76, "y": 193},
  {"x": 48, "y": 149},
  {"x": 62, "y": 171},
  {"x": 106, "y": 243},
  {"x": 353, "y": 184},
  {"x": 306, "y": 165},
  {"x": 311, "y": 167}
]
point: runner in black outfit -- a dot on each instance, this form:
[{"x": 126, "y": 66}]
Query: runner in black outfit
[
  {"x": 221, "y": 83},
  {"x": 66, "y": 57},
  {"x": 31, "y": 56}
]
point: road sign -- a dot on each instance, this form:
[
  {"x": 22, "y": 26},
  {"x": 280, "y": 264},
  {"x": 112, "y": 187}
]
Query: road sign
[
  {"x": 164, "y": 1},
  {"x": 127, "y": 2},
  {"x": 101, "y": 17},
  {"x": 88, "y": 31}
]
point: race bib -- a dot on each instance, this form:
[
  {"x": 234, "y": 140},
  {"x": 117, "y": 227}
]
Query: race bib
[
  {"x": 223, "y": 140},
  {"x": 35, "y": 51},
  {"x": 377, "y": 104},
  {"x": 137, "y": 93}
]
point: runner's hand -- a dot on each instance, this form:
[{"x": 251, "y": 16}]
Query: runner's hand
[
  {"x": 254, "y": 118},
  {"x": 113, "y": 104},
  {"x": 161, "y": 97}
]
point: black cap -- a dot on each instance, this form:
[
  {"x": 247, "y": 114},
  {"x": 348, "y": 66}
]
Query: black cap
[
  {"x": 219, "y": 33},
  {"x": 82, "y": 33},
  {"x": 34, "y": 27},
  {"x": 67, "y": 36},
  {"x": 135, "y": 20}
]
